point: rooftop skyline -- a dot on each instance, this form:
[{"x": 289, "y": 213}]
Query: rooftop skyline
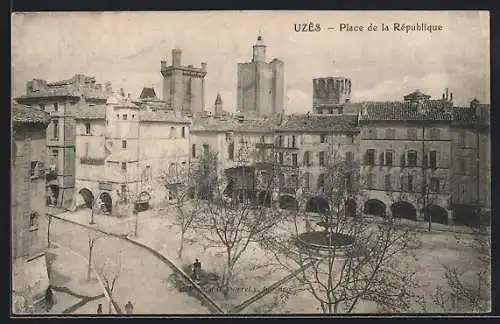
[{"x": 126, "y": 48}]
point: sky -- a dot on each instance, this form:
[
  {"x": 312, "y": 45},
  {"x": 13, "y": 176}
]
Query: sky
[{"x": 126, "y": 48}]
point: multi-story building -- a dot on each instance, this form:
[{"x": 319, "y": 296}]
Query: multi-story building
[
  {"x": 28, "y": 221},
  {"x": 414, "y": 164},
  {"x": 126, "y": 153},
  {"x": 184, "y": 86},
  {"x": 261, "y": 85},
  {"x": 63, "y": 99}
]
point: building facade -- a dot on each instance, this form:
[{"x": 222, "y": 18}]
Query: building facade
[
  {"x": 416, "y": 161},
  {"x": 63, "y": 99},
  {"x": 184, "y": 86},
  {"x": 126, "y": 152},
  {"x": 28, "y": 221},
  {"x": 330, "y": 94},
  {"x": 261, "y": 84}
]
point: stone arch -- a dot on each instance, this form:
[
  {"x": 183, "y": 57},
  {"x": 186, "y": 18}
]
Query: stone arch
[
  {"x": 288, "y": 202},
  {"x": 88, "y": 197},
  {"x": 107, "y": 202},
  {"x": 436, "y": 213},
  {"x": 404, "y": 209},
  {"x": 375, "y": 207},
  {"x": 317, "y": 205}
]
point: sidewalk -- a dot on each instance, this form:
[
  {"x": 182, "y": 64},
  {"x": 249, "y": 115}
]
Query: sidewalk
[{"x": 73, "y": 293}]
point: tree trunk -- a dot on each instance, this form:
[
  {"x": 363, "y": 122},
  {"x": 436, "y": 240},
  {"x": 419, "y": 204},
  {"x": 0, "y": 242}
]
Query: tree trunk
[
  {"x": 181, "y": 246},
  {"x": 89, "y": 269},
  {"x": 48, "y": 230}
]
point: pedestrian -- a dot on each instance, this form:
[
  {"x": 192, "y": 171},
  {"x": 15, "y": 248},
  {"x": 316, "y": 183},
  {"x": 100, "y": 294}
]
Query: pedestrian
[
  {"x": 99, "y": 309},
  {"x": 49, "y": 298},
  {"x": 129, "y": 308},
  {"x": 196, "y": 270}
]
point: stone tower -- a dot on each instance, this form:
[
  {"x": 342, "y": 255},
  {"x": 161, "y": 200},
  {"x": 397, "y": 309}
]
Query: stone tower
[
  {"x": 184, "y": 86},
  {"x": 261, "y": 85}
]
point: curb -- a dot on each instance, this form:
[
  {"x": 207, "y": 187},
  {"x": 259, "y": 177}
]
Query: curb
[
  {"x": 214, "y": 307},
  {"x": 106, "y": 294}
]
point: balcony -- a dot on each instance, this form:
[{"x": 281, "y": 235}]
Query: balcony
[{"x": 92, "y": 161}]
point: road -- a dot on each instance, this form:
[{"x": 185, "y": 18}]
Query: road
[{"x": 143, "y": 279}]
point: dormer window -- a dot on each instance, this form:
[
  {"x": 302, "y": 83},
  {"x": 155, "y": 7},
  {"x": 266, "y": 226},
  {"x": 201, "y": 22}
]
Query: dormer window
[{"x": 34, "y": 221}]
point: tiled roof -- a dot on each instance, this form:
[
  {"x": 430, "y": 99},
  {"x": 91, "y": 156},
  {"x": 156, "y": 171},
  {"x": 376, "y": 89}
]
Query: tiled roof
[
  {"x": 385, "y": 111},
  {"x": 163, "y": 116},
  {"x": 290, "y": 123},
  {"x": 91, "y": 112},
  {"x": 147, "y": 93},
  {"x": 24, "y": 115},
  {"x": 319, "y": 123}
]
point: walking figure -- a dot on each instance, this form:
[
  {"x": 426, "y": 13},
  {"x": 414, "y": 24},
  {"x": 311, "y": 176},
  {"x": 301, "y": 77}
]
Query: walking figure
[
  {"x": 99, "y": 309},
  {"x": 49, "y": 298},
  {"x": 196, "y": 270},
  {"x": 129, "y": 308}
]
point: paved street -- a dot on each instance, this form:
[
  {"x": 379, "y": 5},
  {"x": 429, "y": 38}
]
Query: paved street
[{"x": 144, "y": 280}]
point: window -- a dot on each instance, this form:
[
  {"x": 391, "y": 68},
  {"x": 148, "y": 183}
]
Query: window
[
  {"x": 388, "y": 182},
  {"x": 433, "y": 159},
  {"x": 280, "y": 157},
  {"x": 403, "y": 160},
  {"x": 33, "y": 220},
  {"x": 262, "y": 139},
  {"x": 390, "y": 133},
  {"x": 369, "y": 180},
  {"x": 183, "y": 132},
  {"x": 87, "y": 128},
  {"x": 412, "y": 133},
  {"x": 372, "y": 133},
  {"x": 322, "y": 138},
  {"x": 172, "y": 132},
  {"x": 118, "y": 116},
  {"x": 435, "y": 134},
  {"x": 307, "y": 158},
  {"x": 321, "y": 158},
  {"x": 230, "y": 151},
  {"x": 124, "y": 165},
  {"x": 124, "y": 116},
  {"x": 330, "y": 111},
  {"x": 370, "y": 157},
  {"x": 294, "y": 159},
  {"x": 410, "y": 183},
  {"x": 294, "y": 181},
  {"x": 307, "y": 180},
  {"x": 351, "y": 137},
  {"x": 388, "y": 158},
  {"x": 56, "y": 129},
  {"x": 124, "y": 144},
  {"x": 463, "y": 166},
  {"x": 42, "y": 107},
  {"x": 193, "y": 150},
  {"x": 56, "y": 107},
  {"x": 205, "y": 149},
  {"x": 412, "y": 158},
  {"x": 348, "y": 181},
  {"x": 349, "y": 157},
  {"x": 321, "y": 181},
  {"x": 381, "y": 158},
  {"x": 293, "y": 141},
  {"x": 124, "y": 189},
  {"x": 33, "y": 169},
  {"x": 434, "y": 187},
  {"x": 133, "y": 116},
  {"x": 462, "y": 137}
]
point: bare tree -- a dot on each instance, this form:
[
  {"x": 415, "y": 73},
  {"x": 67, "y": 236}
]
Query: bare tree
[
  {"x": 360, "y": 261},
  {"x": 109, "y": 269},
  {"x": 231, "y": 210},
  {"x": 93, "y": 236},
  {"x": 182, "y": 183},
  {"x": 469, "y": 289}
]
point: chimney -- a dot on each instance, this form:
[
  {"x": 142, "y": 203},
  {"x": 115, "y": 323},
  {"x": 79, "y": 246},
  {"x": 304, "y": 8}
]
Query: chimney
[
  {"x": 446, "y": 93},
  {"x": 204, "y": 66},
  {"x": 451, "y": 96},
  {"x": 176, "y": 57},
  {"x": 443, "y": 96}
]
